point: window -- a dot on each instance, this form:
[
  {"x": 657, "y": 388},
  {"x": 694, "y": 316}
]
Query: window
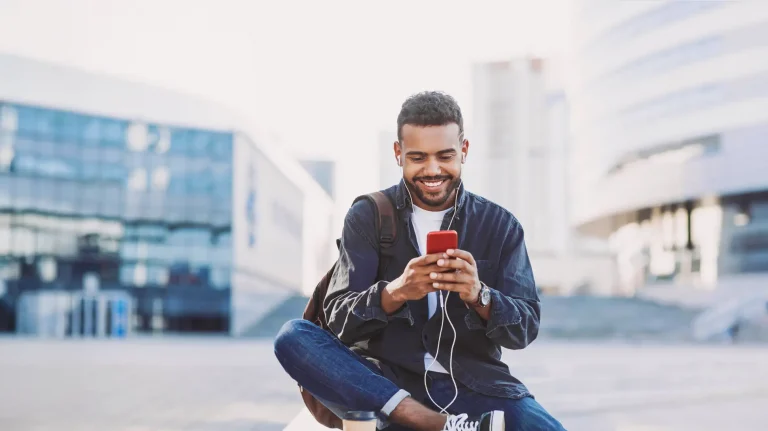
[
  {"x": 137, "y": 137},
  {"x": 179, "y": 141},
  {"x": 221, "y": 277},
  {"x": 646, "y": 23},
  {"x": 9, "y": 119},
  {"x": 45, "y": 166},
  {"x": 113, "y": 132},
  {"x": 198, "y": 143},
  {"x": 159, "y": 139},
  {"x": 35, "y": 122},
  {"x": 221, "y": 146}
]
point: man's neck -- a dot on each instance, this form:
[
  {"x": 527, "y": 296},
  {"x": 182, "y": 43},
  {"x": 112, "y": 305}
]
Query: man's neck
[{"x": 448, "y": 203}]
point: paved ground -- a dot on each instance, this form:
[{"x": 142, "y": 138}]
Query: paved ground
[{"x": 199, "y": 384}]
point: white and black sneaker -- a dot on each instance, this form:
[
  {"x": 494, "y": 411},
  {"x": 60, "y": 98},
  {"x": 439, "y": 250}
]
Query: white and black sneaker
[{"x": 491, "y": 421}]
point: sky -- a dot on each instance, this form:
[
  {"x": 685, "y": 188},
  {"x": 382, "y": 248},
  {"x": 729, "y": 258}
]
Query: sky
[{"x": 323, "y": 76}]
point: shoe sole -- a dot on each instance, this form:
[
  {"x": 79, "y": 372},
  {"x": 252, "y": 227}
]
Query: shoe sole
[{"x": 497, "y": 421}]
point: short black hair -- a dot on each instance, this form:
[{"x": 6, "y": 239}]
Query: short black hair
[{"x": 429, "y": 108}]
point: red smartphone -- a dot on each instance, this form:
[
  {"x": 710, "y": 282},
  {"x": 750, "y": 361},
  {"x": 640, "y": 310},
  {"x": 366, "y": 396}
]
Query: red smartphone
[{"x": 442, "y": 240}]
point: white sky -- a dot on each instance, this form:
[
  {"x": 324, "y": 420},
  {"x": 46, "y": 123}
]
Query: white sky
[{"x": 325, "y": 76}]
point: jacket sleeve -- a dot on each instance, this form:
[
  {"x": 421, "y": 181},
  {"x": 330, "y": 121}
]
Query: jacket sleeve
[
  {"x": 515, "y": 308},
  {"x": 353, "y": 302}
]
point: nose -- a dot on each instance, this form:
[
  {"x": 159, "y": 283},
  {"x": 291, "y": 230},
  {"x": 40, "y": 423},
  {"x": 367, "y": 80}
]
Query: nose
[{"x": 433, "y": 168}]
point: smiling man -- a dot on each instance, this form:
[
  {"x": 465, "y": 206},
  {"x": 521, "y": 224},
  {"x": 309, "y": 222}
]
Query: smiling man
[{"x": 393, "y": 352}]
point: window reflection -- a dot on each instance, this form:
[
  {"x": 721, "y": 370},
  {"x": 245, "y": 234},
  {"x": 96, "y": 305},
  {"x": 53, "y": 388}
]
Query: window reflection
[{"x": 130, "y": 204}]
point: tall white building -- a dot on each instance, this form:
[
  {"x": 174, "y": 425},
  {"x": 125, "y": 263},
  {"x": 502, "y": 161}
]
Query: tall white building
[
  {"x": 670, "y": 128},
  {"x": 519, "y": 159}
]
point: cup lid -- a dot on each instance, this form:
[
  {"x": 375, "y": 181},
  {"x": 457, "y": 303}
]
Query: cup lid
[{"x": 359, "y": 416}]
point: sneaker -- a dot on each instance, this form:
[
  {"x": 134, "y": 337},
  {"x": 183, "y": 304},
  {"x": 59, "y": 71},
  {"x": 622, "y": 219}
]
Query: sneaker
[{"x": 491, "y": 421}]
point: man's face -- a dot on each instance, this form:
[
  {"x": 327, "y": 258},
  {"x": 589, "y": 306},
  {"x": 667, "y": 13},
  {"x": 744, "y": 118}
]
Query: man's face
[{"x": 431, "y": 158}]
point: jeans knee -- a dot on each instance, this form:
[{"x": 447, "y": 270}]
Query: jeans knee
[{"x": 288, "y": 339}]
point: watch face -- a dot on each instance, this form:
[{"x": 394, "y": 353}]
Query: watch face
[{"x": 485, "y": 296}]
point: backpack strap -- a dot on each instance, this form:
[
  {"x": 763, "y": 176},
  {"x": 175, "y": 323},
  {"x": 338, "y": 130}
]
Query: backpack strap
[{"x": 386, "y": 226}]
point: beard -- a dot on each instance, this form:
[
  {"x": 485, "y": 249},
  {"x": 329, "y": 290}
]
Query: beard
[{"x": 438, "y": 198}]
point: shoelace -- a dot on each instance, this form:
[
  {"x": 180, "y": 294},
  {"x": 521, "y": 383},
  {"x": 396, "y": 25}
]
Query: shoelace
[{"x": 460, "y": 423}]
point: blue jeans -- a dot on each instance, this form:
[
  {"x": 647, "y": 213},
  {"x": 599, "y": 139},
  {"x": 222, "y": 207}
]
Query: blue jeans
[{"x": 344, "y": 381}]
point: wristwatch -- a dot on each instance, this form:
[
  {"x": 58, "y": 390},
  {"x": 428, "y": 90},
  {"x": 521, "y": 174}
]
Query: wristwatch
[{"x": 484, "y": 298}]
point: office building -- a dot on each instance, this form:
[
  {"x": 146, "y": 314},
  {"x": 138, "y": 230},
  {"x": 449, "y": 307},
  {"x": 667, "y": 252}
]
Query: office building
[
  {"x": 109, "y": 185},
  {"x": 519, "y": 152},
  {"x": 670, "y": 126}
]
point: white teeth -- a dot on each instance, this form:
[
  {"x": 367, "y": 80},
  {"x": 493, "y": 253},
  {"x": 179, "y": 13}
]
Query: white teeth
[{"x": 433, "y": 184}]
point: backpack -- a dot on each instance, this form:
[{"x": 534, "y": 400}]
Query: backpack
[{"x": 386, "y": 225}]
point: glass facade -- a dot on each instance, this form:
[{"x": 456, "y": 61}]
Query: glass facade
[
  {"x": 644, "y": 24},
  {"x": 145, "y": 208}
]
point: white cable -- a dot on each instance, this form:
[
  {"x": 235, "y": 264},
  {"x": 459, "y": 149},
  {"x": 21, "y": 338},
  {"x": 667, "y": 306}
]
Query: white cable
[{"x": 444, "y": 315}]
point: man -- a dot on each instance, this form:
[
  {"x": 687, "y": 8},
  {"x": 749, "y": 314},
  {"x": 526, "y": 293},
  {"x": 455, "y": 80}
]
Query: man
[{"x": 394, "y": 321}]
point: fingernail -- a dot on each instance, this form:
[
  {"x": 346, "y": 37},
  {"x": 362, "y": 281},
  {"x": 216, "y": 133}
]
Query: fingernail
[
  {"x": 435, "y": 285},
  {"x": 450, "y": 251},
  {"x": 440, "y": 262},
  {"x": 433, "y": 275}
]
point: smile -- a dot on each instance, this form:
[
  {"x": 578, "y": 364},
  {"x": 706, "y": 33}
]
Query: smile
[{"x": 430, "y": 185}]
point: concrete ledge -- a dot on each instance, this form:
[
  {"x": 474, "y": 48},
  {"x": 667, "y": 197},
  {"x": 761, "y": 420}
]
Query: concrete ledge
[
  {"x": 304, "y": 422},
  {"x": 700, "y": 297}
]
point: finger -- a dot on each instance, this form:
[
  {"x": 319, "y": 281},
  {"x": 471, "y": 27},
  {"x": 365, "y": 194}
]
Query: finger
[
  {"x": 456, "y": 264},
  {"x": 428, "y": 259},
  {"x": 451, "y": 287},
  {"x": 462, "y": 254},
  {"x": 452, "y": 277},
  {"x": 428, "y": 269}
]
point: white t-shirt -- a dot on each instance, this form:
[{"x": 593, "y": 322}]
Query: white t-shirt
[{"x": 424, "y": 222}]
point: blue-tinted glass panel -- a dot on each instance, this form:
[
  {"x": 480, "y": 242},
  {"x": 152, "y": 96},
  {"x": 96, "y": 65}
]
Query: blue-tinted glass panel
[
  {"x": 75, "y": 169},
  {"x": 199, "y": 183},
  {"x": 221, "y": 146},
  {"x": 199, "y": 143},
  {"x": 113, "y": 132},
  {"x": 67, "y": 126},
  {"x": 44, "y": 166},
  {"x": 179, "y": 141},
  {"x": 34, "y": 121},
  {"x": 222, "y": 181},
  {"x": 114, "y": 172},
  {"x": 90, "y": 131},
  {"x": 221, "y": 277}
]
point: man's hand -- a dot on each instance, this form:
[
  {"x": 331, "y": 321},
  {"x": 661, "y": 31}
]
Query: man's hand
[
  {"x": 414, "y": 284},
  {"x": 462, "y": 280}
]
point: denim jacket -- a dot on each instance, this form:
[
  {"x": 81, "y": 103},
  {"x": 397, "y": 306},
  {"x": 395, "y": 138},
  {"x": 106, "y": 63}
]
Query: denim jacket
[{"x": 399, "y": 341}]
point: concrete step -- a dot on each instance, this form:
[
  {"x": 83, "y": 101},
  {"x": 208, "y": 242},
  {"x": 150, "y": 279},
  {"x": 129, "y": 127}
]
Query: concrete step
[{"x": 573, "y": 317}]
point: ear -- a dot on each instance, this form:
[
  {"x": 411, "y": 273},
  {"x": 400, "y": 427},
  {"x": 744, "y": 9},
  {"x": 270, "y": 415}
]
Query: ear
[
  {"x": 464, "y": 150},
  {"x": 398, "y": 153}
]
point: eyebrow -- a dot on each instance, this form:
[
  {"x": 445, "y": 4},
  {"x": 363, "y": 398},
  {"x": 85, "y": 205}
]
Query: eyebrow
[{"x": 439, "y": 153}]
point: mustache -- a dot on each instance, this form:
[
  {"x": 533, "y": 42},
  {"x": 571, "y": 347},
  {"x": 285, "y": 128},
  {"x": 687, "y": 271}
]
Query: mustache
[{"x": 433, "y": 179}]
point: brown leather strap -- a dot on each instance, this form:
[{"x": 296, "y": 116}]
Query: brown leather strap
[
  {"x": 386, "y": 226},
  {"x": 387, "y": 219}
]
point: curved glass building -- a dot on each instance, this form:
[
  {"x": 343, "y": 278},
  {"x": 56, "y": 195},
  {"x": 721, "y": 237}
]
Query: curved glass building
[{"x": 670, "y": 137}]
